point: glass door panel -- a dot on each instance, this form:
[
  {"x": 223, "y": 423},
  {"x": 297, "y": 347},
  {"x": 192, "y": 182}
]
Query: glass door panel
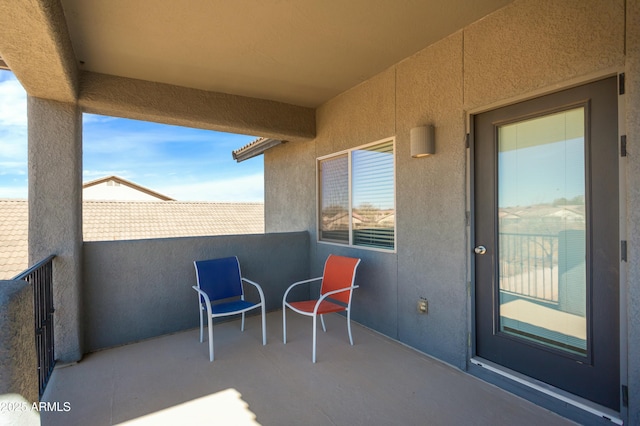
[{"x": 542, "y": 230}]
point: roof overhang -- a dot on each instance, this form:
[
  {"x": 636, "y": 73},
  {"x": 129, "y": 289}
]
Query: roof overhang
[{"x": 255, "y": 148}]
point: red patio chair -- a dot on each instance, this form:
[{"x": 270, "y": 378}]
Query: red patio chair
[{"x": 335, "y": 295}]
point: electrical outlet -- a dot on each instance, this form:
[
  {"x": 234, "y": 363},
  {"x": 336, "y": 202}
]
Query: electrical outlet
[{"x": 423, "y": 306}]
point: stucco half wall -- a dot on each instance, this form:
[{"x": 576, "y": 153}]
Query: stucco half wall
[
  {"x": 524, "y": 49},
  {"x": 18, "y": 358},
  {"x": 139, "y": 289}
]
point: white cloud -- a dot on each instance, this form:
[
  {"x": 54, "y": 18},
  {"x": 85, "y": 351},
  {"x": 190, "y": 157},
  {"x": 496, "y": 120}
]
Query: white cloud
[
  {"x": 13, "y": 167},
  {"x": 18, "y": 191},
  {"x": 248, "y": 188},
  {"x": 95, "y": 118},
  {"x": 13, "y": 147},
  {"x": 13, "y": 107},
  {"x": 13, "y": 138},
  {"x": 96, "y": 174}
]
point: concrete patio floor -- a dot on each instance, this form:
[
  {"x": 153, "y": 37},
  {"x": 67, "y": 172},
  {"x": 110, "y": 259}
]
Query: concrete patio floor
[{"x": 169, "y": 380}]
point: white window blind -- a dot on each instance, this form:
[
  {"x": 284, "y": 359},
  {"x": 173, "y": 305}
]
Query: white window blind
[
  {"x": 373, "y": 196},
  {"x": 361, "y": 213}
]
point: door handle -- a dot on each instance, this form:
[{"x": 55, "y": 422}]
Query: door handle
[{"x": 480, "y": 250}]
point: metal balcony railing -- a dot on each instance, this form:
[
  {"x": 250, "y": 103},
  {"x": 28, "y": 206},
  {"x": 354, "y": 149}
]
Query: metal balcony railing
[
  {"x": 40, "y": 276},
  {"x": 529, "y": 265}
]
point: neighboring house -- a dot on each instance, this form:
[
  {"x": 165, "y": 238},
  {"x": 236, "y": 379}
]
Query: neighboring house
[
  {"x": 119, "y": 189},
  {"x": 342, "y": 84},
  {"x": 107, "y": 220}
]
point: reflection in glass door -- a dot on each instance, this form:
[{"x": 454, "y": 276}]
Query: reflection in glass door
[{"x": 542, "y": 230}]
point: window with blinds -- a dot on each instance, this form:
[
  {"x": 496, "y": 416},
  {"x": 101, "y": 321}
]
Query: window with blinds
[
  {"x": 334, "y": 199},
  {"x": 357, "y": 196}
]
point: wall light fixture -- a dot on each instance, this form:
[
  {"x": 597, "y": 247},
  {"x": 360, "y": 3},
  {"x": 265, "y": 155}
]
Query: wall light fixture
[{"x": 423, "y": 141}]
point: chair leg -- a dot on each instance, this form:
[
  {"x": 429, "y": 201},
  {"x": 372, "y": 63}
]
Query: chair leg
[
  {"x": 322, "y": 322},
  {"x": 264, "y": 326},
  {"x": 210, "y": 339},
  {"x": 242, "y": 324},
  {"x": 349, "y": 325},
  {"x": 313, "y": 358},
  {"x": 284, "y": 324},
  {"x": 201, "y": 323}
]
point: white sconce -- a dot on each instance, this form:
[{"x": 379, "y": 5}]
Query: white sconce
[{"x": 423, "y": 141}]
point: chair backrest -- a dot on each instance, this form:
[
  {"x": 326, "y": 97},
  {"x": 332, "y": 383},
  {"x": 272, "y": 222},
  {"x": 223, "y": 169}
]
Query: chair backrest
[
  {"x": 219, "y": 278},
  {"x": 339, "y": 272}
]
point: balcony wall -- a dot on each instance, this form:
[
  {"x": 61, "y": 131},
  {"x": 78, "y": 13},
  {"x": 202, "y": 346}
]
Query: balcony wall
[
  {"x": 18, "y": 359},
  {"x": 134, "y": 290}
]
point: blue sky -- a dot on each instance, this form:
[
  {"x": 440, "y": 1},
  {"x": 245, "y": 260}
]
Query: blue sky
[
  {"x": 183, "y": 163},
  {"x": 541, "y": 174}
]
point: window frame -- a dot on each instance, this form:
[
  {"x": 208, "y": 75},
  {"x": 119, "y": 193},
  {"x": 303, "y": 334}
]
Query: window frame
[{"x": 349, "y": 153}]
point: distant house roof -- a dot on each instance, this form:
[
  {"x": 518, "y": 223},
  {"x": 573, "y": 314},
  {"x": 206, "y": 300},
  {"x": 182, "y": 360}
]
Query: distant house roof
[
  {"x": 118, "y": 220},
  {"x": 130, "y": 220},
  {"x": 111, "y": 188}
]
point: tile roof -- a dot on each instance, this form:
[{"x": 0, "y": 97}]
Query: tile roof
[
  {"x": 130, "y": 220},
  {"x": 125, "y": 220},
  {"x": 14, "y": 216}
]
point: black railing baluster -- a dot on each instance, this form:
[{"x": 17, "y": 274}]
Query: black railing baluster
[{"x": 40, "y": 276}]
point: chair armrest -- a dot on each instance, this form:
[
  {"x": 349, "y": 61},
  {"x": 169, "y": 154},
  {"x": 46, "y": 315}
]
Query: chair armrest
[
  {"x": 297, "y": 283},
  {"x": 329, "y": 293},
  {"x": 257, "y": 286},
  {"x": 340, "y": 290},
  {"x": 205, "y": 297}
]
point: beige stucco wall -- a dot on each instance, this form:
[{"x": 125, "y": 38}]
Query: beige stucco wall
[
  {"x": 18, "y": 358},
  {"x": 34, "y": 43},
  {"x": 525, "y": 49},
  {"x": 181, "y": 106},
  {"x": 536, "y": 44},
  {"x": 293, "y": 177},
  {"x": 55, "y": 211},
  {"x": 431, "y": 202}
]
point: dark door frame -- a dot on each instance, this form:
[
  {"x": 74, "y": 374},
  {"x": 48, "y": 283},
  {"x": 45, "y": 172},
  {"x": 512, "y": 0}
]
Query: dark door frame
[{"x": 495, "y": 370}]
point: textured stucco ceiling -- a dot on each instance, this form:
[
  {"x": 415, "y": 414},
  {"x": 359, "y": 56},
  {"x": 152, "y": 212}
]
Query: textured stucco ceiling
[{"x": 302, "y": 52}]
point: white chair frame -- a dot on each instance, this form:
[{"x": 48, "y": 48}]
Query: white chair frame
[
  {"x": 314, "y": 314},
  {"x": 206, "y": 308}
]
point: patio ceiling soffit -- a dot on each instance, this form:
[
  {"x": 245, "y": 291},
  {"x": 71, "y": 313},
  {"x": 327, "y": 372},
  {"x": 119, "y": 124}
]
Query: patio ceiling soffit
[
  {"x": 35, "y": 45},
  {"x": 182, "y": 106}
]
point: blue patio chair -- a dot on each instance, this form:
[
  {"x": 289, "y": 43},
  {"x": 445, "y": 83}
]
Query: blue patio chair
[{"x": 221, "y": 293}]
